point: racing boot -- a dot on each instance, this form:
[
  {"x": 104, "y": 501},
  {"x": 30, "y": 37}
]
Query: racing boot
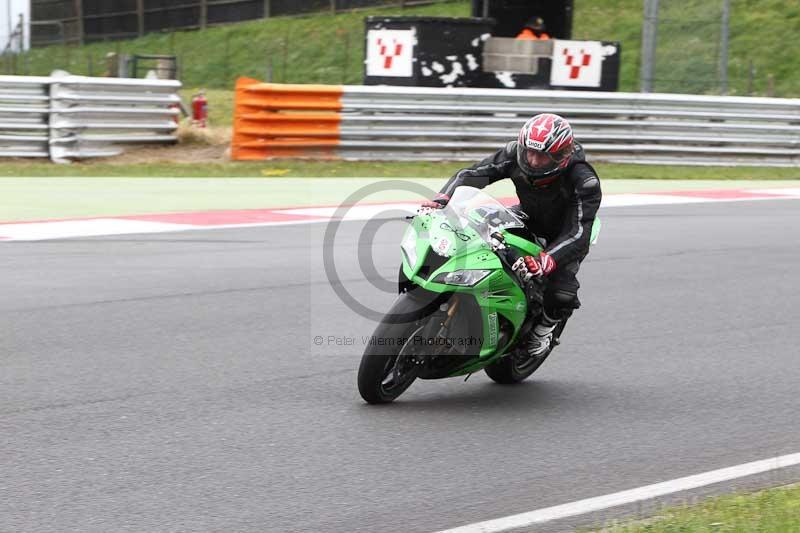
[{"x": 541, "y": 337}]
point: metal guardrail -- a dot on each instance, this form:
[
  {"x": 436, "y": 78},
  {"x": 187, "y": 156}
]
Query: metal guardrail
[
  {"x": 66, "y": 117},
  {"x": 412, "y": 123}
]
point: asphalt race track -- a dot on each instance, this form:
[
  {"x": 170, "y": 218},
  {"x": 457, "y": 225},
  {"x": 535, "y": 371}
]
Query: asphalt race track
[{"x": 173, "y": 382}]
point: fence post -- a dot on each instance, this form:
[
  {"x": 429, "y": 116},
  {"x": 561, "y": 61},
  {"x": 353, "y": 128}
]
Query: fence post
[
  {"x": 79, "y": 18},
  {"x": 267, "y": 9},
  {"x": 284, "y": 53},
  {"x": 723, "y": 47},
  {"x": 203, "y": 14},
  {"x": 140, "y": 16},
  {"x": 21, "y": 27},
  {"x": 227, "y": 56},
  {"x": 649, "y": 27},
  {"x": 346, "y": 61},
  {"x": 333, "y": 7},
  {"x": 10, "y": 30}
]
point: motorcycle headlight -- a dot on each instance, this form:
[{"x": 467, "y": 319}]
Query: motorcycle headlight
[
  {"x": 409, "y": 246},
  {"x": 465, "y": 278}
]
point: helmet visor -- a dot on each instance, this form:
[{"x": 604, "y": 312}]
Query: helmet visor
[{"x": 539, "y": 162}]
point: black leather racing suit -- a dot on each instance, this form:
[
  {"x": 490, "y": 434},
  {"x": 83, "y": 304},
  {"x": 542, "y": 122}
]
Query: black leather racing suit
[{"x": 561, "y": 211}]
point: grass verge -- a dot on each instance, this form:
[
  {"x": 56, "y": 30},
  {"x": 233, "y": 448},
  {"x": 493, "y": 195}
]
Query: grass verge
[
  {"x": 769, "y": 511},
  {"x": 301, "y": 169},
  {"x": 75, "y": 197}
]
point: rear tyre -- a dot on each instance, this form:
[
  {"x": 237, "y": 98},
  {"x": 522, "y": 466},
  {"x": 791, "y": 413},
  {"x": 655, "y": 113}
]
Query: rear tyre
[
  {"x": 514, "y": 368},
  {"x": 387, "y": 367},
  {"x": 518, "y": 366}
]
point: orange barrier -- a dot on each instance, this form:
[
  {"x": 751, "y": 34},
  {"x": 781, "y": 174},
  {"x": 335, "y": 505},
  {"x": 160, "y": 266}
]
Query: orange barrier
[{"x": 276, "y": 120}]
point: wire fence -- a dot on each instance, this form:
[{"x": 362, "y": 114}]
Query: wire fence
[
  {"x": 695, "y": 55},
  {"x": 278, "y": 57},
  {"x": 326, "y": 49},
  {"x": 688, "y": 46},
  {"x": 312, "y": 49},
  {"x": 71, "y": 21}
]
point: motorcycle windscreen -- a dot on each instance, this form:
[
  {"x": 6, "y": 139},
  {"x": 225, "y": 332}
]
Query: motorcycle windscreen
[{"x": 472, "y": 208}]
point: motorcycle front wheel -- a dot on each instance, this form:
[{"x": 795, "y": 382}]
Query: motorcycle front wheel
[{"x": 388, "y": 366}]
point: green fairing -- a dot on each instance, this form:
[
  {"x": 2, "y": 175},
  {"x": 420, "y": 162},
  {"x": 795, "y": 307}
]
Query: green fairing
[
  {"x": 497, "y": 293},
  {"x": 596, "y": 225},
  {"x": 524, "y": 245}
]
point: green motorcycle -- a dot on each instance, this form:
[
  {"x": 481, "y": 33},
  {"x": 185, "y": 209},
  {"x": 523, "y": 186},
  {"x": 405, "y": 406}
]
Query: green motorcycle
[{"x": 460, "y": 307}]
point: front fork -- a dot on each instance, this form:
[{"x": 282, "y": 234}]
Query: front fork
[
  {"x": 436, "y": 329},
  {"x": 439, "y": 324}
]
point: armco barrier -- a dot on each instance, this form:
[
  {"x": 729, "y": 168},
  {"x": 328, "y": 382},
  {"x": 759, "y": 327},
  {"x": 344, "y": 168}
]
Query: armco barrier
[
  {"x": 71, "y": 117},
  {"x": 412, "y": 123}
]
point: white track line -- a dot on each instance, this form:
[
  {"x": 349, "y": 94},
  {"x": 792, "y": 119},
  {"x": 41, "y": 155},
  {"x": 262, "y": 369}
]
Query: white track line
[
  {"x": 627, "y": 496},
  {"x": 35, "y": 231}
]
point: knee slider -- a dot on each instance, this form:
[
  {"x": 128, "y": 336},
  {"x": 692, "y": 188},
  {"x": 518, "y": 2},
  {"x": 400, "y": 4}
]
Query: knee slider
[
  {"x": 562, "y": 303},
  {"x": 566, "y": 299}
]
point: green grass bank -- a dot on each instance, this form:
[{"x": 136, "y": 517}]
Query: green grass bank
[{"x": 326, "y": 48}]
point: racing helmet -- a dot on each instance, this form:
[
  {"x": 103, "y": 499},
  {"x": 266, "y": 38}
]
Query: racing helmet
[{"x": 545, "y": 146}]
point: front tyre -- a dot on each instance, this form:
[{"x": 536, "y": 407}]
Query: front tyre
[{"x": 388, "y": 366}]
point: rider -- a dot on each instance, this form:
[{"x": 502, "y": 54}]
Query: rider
[{"x": 560, "y": 193}]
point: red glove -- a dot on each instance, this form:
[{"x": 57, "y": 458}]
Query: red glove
[
  {"x": 547, "y": 262},
  {"x": 529, "y": 267},
  {"x": 437, "y": 203}
]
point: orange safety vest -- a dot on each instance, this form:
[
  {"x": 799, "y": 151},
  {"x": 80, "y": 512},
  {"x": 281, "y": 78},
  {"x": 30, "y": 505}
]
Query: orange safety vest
[{"x": 528, "y": 35}]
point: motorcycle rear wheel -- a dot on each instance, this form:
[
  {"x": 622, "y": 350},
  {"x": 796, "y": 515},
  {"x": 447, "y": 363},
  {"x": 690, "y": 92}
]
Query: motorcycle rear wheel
[
  {"x": 510, "y": 369},
  {"x": 513, "y": 368}
]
